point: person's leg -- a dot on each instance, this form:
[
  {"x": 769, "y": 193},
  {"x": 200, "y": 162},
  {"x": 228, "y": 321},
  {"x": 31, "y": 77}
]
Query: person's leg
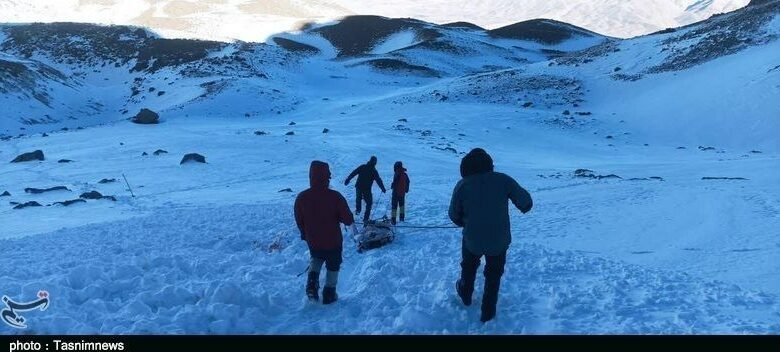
[
  {"x": 358, "y": 201},
  {"x": 333, "y": 265},
  {"x": 394, "y": 202},
  {"x": 402, "y": 207},
  {"x": 468, "y": 274},
  {"x": 369, "y": 198},
  {"x": 313, "y": 281},
  {"x": 494, "y": 269}
]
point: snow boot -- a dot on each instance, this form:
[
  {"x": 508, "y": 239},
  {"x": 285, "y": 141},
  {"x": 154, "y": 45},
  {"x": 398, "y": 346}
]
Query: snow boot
[
  {"x": 462, "y": 292},
  {"x": 313, "y": 286},
  {"x": 329, "y": 295},
  {"x": 488, "y": 313}
]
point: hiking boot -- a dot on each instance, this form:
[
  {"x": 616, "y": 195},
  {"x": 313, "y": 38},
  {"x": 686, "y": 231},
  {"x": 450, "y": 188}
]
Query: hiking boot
[
  {"x": 329, "y": 295},
  {"x": 488, "y": 313},
  {"x": 464, "y": 296},
  {"x": 313, "y": 286}
]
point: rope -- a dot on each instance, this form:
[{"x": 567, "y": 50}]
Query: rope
[{"x": 421, "y": 227}]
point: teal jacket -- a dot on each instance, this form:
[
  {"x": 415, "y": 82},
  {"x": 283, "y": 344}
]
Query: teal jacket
[{"x": 480, "y": 205}]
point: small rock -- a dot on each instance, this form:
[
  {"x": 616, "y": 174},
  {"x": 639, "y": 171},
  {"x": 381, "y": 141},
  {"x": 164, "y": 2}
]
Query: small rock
[
  {"x": 70, "y": 202},
  {"x": 28, "y": 204},
  {"x": 260, "y": 133},
  {"x": 291, "y": 133},
  {"x": 528, "y": 104},
  {"x": 44, "y": 190},
  {"x": 292, "y": 123},
  {"x": 286, "y": 190},
  {"x": 144, "y": 154},
  {"x": 193, "y": 157},
  {"x": 107, "y": 180},
  {"x": 567, "y": 112},
  {"x": 5, "y": 194},
  {"x": 609, "y": 137},
  {"x": 403, "y": 120},
  {"x": 325, "y": 130},
  {"x": 63, "y": 161},
  {"x": 160, "y": 152},
  {"x": 36, "y": 155},
  {"x": 91, "y": 195},
  {"x": 44, "y": 135}
]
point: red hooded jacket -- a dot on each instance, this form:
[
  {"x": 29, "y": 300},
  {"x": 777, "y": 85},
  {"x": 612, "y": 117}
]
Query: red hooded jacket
[
  {"x": 319, "y": 210},
  {"x": 401, "y": 182}
]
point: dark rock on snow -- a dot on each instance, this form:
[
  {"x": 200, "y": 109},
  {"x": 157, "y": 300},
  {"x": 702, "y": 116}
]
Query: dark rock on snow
[
  {"x": 193, "y": 157},
  {"x": 44, "y": 190},
  {"x": 28, "y": 204},
  {"x": 286, "y": 190},
  {"x": 260, "y": 133},
  {"x": 160, "y": 152},
  {"x": 70, "y": 202},
  {"x": 291, "y": 133},
  {"x": 146, "y": 117},
  {"x": 36, "y": 155},
  {"x": 144, "y": 154},
  {"x": 107, "y": 180},
  {"x": 64, "y": 161},
  {"x": 5, "y": 194},
  {"x": 325, "y": 130},
  {"x": 95, "y": 195}
]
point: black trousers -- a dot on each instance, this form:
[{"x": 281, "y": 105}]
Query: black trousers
[
  {"x": 399, "y": 203},
  {"x": 364, "y": 195},
  {"x": 332, "y": 258},
  {"x": 494, "y": 269}
]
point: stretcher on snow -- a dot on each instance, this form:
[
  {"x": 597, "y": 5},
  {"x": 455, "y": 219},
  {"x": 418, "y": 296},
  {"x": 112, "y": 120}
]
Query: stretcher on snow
[{"x": 375, "y": 234}]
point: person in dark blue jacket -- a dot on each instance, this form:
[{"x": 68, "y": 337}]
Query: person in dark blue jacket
[{"x": 479, "y": 204}]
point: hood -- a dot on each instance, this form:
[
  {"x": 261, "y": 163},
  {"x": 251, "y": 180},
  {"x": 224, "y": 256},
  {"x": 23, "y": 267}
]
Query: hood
[
  {"x": 372, "y": 161},
  {"x": 319, "y": 175},
  {"x": 477, "y": 161},
  {"x": 399, "y": 167}
]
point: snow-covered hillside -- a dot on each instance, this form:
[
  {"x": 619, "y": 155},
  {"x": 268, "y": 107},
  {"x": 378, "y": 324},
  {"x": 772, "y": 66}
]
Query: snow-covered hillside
[
  {"x": 654, "y": 164},
  {"x": 221, "y": 20}
]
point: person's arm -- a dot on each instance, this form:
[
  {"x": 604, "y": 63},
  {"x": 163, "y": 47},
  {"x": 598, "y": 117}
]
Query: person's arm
[
  {"x": 379, "y": 181},
  {"x": 351, "y": 176},
  {"x": 408, "y": 183},
  {"x": 519, "y": 196},
  {"x": 344, "y": 213},
  {"x": 298, "y": 210},
  {"x": 456, "y": 208}
]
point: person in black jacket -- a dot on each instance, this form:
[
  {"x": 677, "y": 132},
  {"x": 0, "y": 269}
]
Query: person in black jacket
[
  {"x": 366, "y": 175},
  {"x": 480, "y": 206}
]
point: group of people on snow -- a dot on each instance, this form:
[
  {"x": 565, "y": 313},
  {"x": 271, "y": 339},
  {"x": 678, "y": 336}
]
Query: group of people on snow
[{"x": 479, "y": 205}]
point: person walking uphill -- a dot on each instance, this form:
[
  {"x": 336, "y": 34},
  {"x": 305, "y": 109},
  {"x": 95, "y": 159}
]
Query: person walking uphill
[
  {"x": 480, "y": 205},
  {"x": 366, "y": 175},
  {"x": 318, "y": 214},
  {"x": 400, "y": 187}
]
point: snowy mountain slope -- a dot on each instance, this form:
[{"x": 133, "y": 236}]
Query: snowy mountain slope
[
  {"x": 678, "y": 235},
  {"x": 223, "y": 20}
]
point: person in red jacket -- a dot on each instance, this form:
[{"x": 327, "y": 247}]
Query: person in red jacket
[
  {"x": 319, "y": 211},
  {"x": 400, "y": 188}
]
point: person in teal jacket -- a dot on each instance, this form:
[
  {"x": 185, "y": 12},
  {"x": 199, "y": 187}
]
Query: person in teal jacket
[{"x": 479, "y": 204}]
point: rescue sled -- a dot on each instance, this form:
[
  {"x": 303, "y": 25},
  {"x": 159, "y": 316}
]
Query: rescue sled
[{"x": 375, "y": 234}]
